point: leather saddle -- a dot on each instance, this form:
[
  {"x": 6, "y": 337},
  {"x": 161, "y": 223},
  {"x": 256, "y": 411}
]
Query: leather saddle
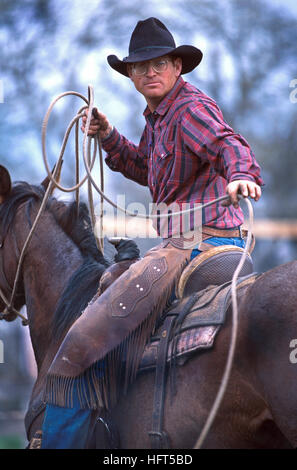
[
  {"x": 202, "y": 299},
  {"x": 213, "y": 267}
]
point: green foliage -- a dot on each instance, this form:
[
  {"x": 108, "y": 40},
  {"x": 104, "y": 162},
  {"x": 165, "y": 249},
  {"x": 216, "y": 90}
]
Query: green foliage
[{"x": 11, "y": 442}]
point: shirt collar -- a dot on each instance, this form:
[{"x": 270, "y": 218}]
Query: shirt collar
[{"x": 168, "y": 100}]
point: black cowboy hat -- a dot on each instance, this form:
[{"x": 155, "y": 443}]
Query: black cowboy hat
[{"x": 151, "y": 39}]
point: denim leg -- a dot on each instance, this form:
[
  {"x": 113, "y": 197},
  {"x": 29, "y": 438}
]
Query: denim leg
[
  {"x": 66, "y": 428},
  {"x": 218, "y": 241}
]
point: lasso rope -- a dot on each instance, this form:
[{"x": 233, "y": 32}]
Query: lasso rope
[
  {"x": 89, "y": 163},
  {"x": 230, "y": 357},
  {"x": 234, "y": 330}
]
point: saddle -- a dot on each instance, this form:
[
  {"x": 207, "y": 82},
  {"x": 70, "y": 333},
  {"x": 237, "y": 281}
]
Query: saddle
[
  {"x": 200, "y": 316},
  {"x": 212, "y": 268}
]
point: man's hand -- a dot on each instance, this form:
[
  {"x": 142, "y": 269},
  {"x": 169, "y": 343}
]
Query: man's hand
[
  {"x": 245, "y": 188},
  {"x": 99, "y": 123}
]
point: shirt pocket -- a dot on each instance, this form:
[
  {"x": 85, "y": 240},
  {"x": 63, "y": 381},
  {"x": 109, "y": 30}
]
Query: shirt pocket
[
  {"x": 164, "y": 164},
  {"x": 163, "y": 150}
]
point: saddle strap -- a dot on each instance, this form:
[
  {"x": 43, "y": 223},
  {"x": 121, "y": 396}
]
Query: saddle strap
[{"x": 159, "y": 438}]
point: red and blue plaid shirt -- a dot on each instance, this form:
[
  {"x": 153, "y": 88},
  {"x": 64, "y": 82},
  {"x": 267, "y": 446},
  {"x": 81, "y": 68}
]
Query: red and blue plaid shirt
[{"x": 187, "y": 154}]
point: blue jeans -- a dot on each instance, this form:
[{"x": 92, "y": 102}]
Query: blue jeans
[
  {"x": 67, "y": 428},
  {"x": 218, "y": 241}
]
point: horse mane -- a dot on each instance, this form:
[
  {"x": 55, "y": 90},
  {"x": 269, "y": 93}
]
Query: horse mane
[{"x": 83, "y": 285}]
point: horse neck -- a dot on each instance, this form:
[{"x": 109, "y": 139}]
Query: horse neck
[{"x": 51, "y": 259}]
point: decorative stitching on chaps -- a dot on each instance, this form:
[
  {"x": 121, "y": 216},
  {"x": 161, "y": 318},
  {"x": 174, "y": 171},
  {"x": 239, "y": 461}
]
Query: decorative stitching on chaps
[{"x": 124, "y": 303}]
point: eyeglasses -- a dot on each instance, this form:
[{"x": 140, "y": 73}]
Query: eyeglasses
[{"x": 158, "y": 65}]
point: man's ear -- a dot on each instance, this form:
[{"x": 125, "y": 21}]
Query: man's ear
[
  {"x": 5, "y": 183},
  {"x": 129, "y": 71},
  {"x": 178, "y": 64}
]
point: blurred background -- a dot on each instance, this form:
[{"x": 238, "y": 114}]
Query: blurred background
[{"x": 249, "y": 68}]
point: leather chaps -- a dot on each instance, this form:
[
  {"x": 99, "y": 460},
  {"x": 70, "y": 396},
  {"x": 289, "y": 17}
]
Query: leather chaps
[{"x": 102, "y": 350}]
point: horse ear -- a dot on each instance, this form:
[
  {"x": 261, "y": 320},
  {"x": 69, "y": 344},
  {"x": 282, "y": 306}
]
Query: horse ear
[
  {"x": 46, "y": 180},
  {"x": 5, "y": 183}
]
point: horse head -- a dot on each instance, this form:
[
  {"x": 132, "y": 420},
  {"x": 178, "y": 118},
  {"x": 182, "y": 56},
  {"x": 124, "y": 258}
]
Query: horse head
[
  {"x": 10, "y": 201},
  {"x": 8, "y": 260}
]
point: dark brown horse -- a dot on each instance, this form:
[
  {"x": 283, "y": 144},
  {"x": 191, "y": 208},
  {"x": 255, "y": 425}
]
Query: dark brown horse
[{"x": 60, "y": 275}]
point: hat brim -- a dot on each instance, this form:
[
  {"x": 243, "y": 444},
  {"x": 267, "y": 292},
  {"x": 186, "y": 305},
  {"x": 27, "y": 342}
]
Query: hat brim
[{"x": 190, "y": 55}]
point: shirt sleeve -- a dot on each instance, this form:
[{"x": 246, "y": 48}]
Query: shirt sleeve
[
  {"x": 126, "y": 157},
  {"x": 207, "y": 135}
]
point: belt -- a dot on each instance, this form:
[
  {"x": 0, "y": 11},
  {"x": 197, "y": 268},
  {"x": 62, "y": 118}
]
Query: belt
[
  {"x": 187, "y": 240},
  {"x": 208, "y": 232}
]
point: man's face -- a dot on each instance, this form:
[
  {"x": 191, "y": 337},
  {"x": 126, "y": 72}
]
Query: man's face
[{"x": 154, "y": 85}]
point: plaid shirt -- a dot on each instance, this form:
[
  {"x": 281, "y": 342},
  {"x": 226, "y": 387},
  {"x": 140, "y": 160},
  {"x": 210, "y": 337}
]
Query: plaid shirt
[{"x": 187, "y": 154}]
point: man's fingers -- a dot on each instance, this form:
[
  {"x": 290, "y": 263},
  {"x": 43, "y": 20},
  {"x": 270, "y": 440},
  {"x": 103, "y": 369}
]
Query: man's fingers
[
  {"x": 95, "y": 113},
  {"x": 91, "y": 132},
  {"x": 254, "y": 191},
  {"x": 93, "y": 120},
  {"x": 258, "y": 193},
  {"x": 244, "y": 189},
  {"x": 98, "y": 123},
  {"x": 233, "y": 196},
  {"x": 92, "y": 129}
]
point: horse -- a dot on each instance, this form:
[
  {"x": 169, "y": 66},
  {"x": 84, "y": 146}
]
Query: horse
[{"x": 60, "y": 275}]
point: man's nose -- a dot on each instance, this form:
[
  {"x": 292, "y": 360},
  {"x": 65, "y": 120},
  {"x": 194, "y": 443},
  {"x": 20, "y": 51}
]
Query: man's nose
[{"x": 150, "y": 71}]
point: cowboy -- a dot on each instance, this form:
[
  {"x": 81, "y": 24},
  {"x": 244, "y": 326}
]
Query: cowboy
[{"x": 187, "y": 154}]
